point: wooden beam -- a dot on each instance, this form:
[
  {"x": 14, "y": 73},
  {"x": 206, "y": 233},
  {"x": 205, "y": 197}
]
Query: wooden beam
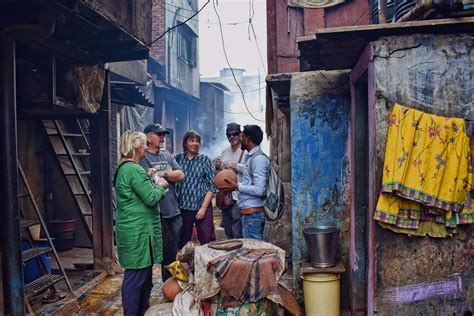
[
  {"x": 465, "y": 23},
  {"x": 12, "y": 265},
  {"x": 102, "y": 229}
]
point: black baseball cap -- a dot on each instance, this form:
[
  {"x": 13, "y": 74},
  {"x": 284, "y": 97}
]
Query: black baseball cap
[
  {"x": 232, "y": 127},
  {"x": 155, "y": 128}
]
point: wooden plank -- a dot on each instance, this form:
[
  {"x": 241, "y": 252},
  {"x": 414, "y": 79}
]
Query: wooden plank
[
  {"x": 389, "y": 27},
  {"x": 307, "y": 268}
]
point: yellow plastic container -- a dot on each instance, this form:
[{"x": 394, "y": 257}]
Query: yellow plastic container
[{"x": 321, "y": 294}]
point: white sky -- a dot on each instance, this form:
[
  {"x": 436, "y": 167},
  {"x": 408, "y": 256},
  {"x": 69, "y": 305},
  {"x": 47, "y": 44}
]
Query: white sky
[{"x": 241, "y": 51}]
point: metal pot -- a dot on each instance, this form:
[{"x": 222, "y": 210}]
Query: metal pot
[{"x": 322, "y": 242}]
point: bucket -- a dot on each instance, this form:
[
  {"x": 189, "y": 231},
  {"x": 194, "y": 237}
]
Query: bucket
[
  {"x": 62, "y": 228},
  {"x": 61, "y": 225},
  {"x": 31, "y": 268},
  {"x": 322, "y": 245},
  {"x": 63, "y": 233},
  {"x": 64, "y": 243},
  {"x": 321, "y": 294}
]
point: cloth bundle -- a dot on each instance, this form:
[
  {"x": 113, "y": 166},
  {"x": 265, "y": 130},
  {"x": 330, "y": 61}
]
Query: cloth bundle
[
  {"x": 246, "y": 275},
  {"x": 427, "y": 175}
]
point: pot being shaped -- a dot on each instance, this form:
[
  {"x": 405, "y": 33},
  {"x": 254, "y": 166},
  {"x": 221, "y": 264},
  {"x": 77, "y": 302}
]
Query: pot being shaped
[{"x": 221, "y": 184}]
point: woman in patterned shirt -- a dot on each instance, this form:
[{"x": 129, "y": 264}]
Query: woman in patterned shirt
[{"x": 196, "y": 191}]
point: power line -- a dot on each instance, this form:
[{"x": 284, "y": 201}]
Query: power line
[
  {"x": 250, "y": 27},
  {"x": 230, "y": 112},
  {"x": 173, "y": 5},
  {"x": 230, "y": 91},
  {"x": 217, "y": 79},
  {"x": 177, "y": 25},
  {"x": 258, "y": 48},
  {"x": 228, "y": 63},
  {"x": 197, "y": 20}
]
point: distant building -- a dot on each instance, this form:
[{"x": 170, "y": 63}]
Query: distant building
[
  {"x": 174, "y": 67},
  {"x": 234, "y": 108}
]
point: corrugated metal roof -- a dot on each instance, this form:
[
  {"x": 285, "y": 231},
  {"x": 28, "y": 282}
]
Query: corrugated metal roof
[{"x": 129, "y": 94}]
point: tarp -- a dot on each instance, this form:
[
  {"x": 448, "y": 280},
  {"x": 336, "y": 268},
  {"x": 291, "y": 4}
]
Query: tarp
[
  {"x": 314, "y": 4},
  {"x": 137, "y": 117},
  {"x": 88, "y": 83}
]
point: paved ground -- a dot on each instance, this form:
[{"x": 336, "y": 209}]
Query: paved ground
[{"x": 104, "y": 298}]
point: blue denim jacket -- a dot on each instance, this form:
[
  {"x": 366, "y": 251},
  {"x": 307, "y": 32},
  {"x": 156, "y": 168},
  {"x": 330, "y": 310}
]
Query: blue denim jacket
[{"x": 252, "y": 190}]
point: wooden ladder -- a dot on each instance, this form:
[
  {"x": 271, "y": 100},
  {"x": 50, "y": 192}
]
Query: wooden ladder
[
  {"x": 70, "y": 143},
  {"x": 47, "y": 280}
]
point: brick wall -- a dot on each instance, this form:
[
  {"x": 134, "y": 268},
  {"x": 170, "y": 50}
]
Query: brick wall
[{"x": 158, "y": 49}]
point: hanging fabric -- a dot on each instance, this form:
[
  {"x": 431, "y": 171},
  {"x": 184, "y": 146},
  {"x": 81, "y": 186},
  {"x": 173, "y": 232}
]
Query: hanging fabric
[{"x": 427, "y": 175}]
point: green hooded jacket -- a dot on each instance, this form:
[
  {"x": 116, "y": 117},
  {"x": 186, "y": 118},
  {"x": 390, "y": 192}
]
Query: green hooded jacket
[{"x": 138, "y": 224}]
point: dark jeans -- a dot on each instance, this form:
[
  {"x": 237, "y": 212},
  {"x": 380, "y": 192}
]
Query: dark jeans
[
  {"x": 204, "y": 227},
  {"x": 171, "y": 233},
  {"x": 232, "y": 222},
  {"x": 252, "y": 225},
  {"x": 136, "y": 289}
]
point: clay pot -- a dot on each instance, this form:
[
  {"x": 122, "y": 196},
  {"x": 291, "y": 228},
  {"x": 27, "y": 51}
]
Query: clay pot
[
  {"x": 225, "y": 174},
  {"x": 171, "y": 288},
  {"x": 62, "y": 228}
]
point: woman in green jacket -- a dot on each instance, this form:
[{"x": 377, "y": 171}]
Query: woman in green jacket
[{"x": 138, "y": 225}]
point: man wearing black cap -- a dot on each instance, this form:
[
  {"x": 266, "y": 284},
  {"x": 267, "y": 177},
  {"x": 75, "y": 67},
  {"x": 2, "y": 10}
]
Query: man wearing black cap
[
  {"x": 231, "y": 158},
  {"x": 160, "y": 163}
]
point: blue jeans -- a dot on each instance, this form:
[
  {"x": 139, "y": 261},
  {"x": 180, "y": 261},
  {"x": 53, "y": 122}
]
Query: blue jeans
[{"x": 252, "y": 225}]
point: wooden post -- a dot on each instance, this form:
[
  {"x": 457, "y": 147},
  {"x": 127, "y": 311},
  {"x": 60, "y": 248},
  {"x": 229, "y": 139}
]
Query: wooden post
[
  {"x": 12, "y": 266},
  {"x": 102, "y": 225},
  {"x": 382, "y": 4}
]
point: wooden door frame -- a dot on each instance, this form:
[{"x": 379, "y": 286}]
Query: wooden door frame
[{"x": 363, "y": 65}]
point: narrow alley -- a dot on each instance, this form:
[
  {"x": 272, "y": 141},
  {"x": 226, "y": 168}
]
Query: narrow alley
[{"x": 237, "y": 157}]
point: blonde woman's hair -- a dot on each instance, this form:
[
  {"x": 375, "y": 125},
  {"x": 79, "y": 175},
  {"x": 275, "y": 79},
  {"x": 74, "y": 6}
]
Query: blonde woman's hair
[{"x": 130, "y": 142}]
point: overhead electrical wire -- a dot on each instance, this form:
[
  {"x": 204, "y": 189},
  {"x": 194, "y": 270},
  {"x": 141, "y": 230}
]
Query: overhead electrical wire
[
  {"x": 258, "y": 48},
  {"x": 251, "y": 28},
  {"x": 228, "y": 63},
  {"x": 179, "y": 24},
  {"x": 230, "y": 91},
  {"x": 230, "y": 112},
  {"x": 197, "y": 20}
]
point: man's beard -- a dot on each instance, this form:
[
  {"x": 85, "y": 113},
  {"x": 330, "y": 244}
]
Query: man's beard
[{"x": 242, "y": 146}]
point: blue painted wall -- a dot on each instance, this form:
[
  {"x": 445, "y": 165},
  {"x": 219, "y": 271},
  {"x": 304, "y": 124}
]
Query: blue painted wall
[{"x": 319, "y": 135}]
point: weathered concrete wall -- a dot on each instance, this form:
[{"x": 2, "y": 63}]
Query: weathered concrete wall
[
  {"x": 319, "y": 133},
  {"x": 432, "y": 74}
]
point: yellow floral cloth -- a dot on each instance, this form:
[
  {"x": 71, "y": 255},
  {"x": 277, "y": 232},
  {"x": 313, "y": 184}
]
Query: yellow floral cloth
[{"x": 427, "y": 174}]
